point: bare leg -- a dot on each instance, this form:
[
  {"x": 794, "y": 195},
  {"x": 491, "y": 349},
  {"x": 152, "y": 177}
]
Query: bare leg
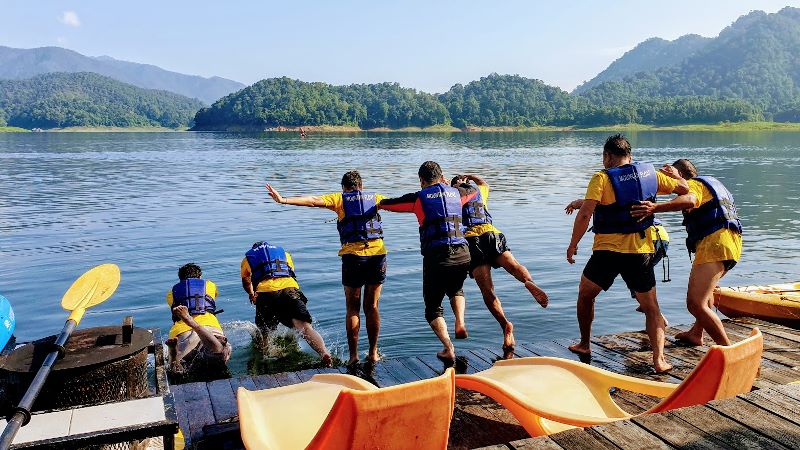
[
  {"x": 483, "y": 277},
  {"x": 372, "y": 293},
  {"x": 439, "y": 326},
  {"x": 587, "y": 292},
  {"x": 699, "y": 298},
  {"x": 654, "y": 324},
  {"x": 352, "y": 320},
  {"x": 314, "y": 340},
  {"x": 518, "y": 271},
  {"x": 458, "y": 303}
]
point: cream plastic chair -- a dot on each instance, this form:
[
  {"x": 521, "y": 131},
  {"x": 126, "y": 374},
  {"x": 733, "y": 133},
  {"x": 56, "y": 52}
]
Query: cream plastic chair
[
  {"x": 333, "y": 411},
  {"x": 548, "y": 395}
]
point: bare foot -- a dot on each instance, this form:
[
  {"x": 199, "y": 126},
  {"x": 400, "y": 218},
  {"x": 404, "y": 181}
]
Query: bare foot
[
  {"x": 352, "y": 361},
  {"x": 537, "y": 293},
  {"x": 662, "y": 366},
  {"x": 689, "y": 338},
  {"x": 373, "y": 358},
  {"x": 580, "y": 348},
  {"x": 508, "y": 337},
  {"x": 326, "y": 360},
  {"x": 448, "y": 354},
  {"x": 461, "y": 332}
]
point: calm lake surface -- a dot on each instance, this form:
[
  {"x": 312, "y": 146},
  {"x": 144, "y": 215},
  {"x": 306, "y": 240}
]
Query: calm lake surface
[{"x": 151, "y": 202}]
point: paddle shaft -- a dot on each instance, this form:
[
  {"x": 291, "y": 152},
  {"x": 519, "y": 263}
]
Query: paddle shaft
[{"x": 26, "y": 403}]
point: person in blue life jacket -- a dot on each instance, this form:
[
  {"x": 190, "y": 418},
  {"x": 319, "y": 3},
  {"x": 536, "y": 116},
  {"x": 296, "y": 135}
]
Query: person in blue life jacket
[
  {"x": 445, "y": 253},
  {"x": 714, "y": 234},
  {"x": 362, "y": 252},
  {"x": 268, "y": 278},
  {"x": 621, "y": 245},
  {"x": 198, "y": 348},
  {"x": 488, "y": 249}
]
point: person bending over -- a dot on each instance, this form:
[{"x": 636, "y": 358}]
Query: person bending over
[{"x": 363, "y": 254}]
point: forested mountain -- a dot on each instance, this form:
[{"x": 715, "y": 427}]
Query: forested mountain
[
  {"x": 58, "y": 100},
  {"x": 18, "y": 63},
  {"x": 757, "y": 59},
  {"x": 648, "y": 56}
]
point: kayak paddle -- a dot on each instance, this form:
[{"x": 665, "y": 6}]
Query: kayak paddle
[{"x": 90, "y": 289}]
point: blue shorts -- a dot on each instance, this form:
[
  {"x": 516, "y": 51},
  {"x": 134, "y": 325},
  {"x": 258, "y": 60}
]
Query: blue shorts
[{"x": 360, "y": 270}]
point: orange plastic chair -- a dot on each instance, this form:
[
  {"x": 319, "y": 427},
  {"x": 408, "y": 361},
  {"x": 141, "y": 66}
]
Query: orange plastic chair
[
  {"x": 548, "y": 395},
  {"x": 333, "y": 411}
]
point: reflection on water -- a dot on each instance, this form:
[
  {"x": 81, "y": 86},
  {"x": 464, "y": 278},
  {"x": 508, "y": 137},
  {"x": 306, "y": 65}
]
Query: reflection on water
[{"x": 152, "y": 202}]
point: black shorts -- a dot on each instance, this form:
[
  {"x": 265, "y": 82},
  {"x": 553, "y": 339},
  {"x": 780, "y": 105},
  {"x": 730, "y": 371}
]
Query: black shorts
[
  {"x": 485, "y": 249},
  {"x": 440, "y": 279},
  {"x": 636, "y": 269},
  {"x": 360, "y": 270},
  {"x": 281, "y": 306},
  {"x": 729, "y": 264}
]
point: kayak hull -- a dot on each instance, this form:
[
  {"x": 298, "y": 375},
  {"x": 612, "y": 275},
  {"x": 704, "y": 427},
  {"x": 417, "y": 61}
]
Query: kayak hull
[{"x": 778, "y": 303}]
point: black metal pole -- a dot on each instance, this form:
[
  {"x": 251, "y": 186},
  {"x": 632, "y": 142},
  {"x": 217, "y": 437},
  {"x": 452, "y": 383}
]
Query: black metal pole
[{"x": 23, "y": 414}]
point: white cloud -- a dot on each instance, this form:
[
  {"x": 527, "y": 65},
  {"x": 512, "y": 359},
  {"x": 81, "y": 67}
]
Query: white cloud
[{"x": 70, "y": 18}]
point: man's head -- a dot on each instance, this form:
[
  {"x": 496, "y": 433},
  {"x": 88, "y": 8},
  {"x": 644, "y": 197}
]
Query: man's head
[
  {"x": 257, "y": 244},
  {"x": 686, "y": 168},
  {"x": 616, "y": 151},
  {"x": 190, "y": 270},
  {"x": 351, "y": 181},
  {"x": 430, "y": 173}
]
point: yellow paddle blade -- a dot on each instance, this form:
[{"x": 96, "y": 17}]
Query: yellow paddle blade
[{"x": 92, "y": 288}]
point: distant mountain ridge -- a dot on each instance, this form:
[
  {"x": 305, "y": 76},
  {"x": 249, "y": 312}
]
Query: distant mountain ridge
[
  {"x": 647, "y": 56},
  {"x": 18, "y": 63}
]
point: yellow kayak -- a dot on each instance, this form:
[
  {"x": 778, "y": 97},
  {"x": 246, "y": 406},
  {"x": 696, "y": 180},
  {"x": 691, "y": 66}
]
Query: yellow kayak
[{"x": 779, "y": 303}]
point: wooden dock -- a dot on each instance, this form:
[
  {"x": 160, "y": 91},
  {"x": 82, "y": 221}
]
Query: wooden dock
[{"x": 769, "y": 417}]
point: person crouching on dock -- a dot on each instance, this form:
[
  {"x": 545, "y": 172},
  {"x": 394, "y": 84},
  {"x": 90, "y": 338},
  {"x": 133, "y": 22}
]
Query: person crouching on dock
[
  {"x": 445, "y": 254},
  {"x": 621, "y": 246},
  {"x": 268, "y": 277},
  {"x": 488, "y": 249},
  {"x": 198, "y": 348},
  {"x": 363, "y": 254}
]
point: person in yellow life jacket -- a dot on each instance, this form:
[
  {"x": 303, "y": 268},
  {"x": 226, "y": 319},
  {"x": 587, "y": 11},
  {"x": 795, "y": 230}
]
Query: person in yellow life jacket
[
  {"x": 488, "y": 249},
  {"x": 714, "y": 234},
  {"x": 363, "y": 254},
  {"x": 621, "y": 245},
  {"x": 268, "y": 278},
  {"x": 198, "y": 347}
]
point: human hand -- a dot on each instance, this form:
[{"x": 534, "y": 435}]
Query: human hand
[
  {"x": 573, "y": 205},
  {"x": 572, "y": 250},
  {"x": 274, "y": 194},
  {"x": 182, "y": 312},
  {"x": 643, "y": 209},
  {"x": 253, "y": 297},
  {"x": 670, "y": 171}
]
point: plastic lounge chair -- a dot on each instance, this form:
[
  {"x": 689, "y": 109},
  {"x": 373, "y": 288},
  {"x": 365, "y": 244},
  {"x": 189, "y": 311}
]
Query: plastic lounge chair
[
  {"x": 548, "y": 395},
  {"x": 333, "y": 411}
]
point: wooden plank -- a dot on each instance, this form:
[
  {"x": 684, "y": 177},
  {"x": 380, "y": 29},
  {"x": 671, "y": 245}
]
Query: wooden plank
[
  {"x": 399, "y": 370},
  {"x": 580, "y": 438},
  {"x": 198, "y": 405},
  {"x": 478, "y": 421},
  {"x": 306, "y": 375},
  {"x": 419, "y": 368},
  {"x": 730, "y": 433},
  {"x": 791, "y": 390},
  {"x": 759, "y": 420},
  {"x": 223, "y": 400},
  {"x": 777, "y": 349},
  {"x": 182, "y": 412},
  {"x": 676, "y": 432},
  {"x": 636, "y": 353},
  {"x": 537, "y": 443},
  {"x": 286, "y": 378},
  {"x": 265, "y": 381},
  {"x": 776, "y": 402},
  {"x": 628, "y": 436}
]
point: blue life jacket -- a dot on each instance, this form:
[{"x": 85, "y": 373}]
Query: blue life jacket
[
  {"x": 716, "y": 214},
  {"x": 192, "y": 294},
  {"x": 632, "y": 183},
  {"x": 268, "y": 261},
  {"x": 475, "y": 211},
  {"x": 441, "y": 205},
  {"x": 361, "y": 220}
]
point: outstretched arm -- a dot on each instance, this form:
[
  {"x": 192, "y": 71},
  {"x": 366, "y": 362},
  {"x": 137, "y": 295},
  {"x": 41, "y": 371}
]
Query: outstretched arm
[
  {"x": 308, "y": 200},
  {"x": 679, "y": 203},
  {"x": 206, "y": 337},
  {"x": 579, "y": 227},
  {"x": 478, "y": 180}
]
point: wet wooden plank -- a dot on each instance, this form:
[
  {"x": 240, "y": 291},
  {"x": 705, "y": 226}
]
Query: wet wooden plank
[
  {"x": 729, "y": 432},
  {"x": 419, "y": 368},
  {"x": 306, "y": 375},
  {"x": 223, "y": 400},
  {"x": 402, "y": 373},
  {"x": 637, "y": 353},
  {"x": 197, "y": 403},
  {"x": 265, "y": 381},
  {"x": 759, "y": 420},
  {"x": 628, "y": 436},
  {"x": 286, "y": 378},
  {"x": 182, "y": 412}
]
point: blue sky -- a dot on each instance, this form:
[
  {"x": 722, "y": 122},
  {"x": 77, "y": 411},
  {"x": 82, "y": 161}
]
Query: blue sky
[{"x": 427, "y": 45}]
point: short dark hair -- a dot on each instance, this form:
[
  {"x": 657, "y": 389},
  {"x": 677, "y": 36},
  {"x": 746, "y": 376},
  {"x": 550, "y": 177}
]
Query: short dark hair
[
  {"x": 617, "y": 145},
  {"x": 429, "y": 171},
  {"x": 686, "y": 168},
  {"x": 351, "y": 180},
  {"x": 454, "y": 180},
  {"x": 190, "y": 270},
  {"x": 258, "y": 244}
]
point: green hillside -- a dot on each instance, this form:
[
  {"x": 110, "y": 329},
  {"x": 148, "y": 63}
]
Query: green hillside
[{"x": 86, "y": 99}]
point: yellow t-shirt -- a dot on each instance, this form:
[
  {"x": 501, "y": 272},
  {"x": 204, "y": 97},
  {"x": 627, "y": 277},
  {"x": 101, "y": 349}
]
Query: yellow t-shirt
[
  {"x": 662, "y": 233},
  {"x": 272, "y": 284},
  {"x": 478, "y": 230},
  {"x": 205, "y": 319},
  {"x": 371, "y": 247},
  {"x": 600, "y": 190},
  {"x": 721, "y": 245}
]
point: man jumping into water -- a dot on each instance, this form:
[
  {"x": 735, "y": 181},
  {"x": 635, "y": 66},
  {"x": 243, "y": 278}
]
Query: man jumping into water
[{"x": 488, "y": 249}]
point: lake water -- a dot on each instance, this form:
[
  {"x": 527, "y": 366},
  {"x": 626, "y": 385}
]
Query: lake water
[{"x": 151, "y": 202}]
